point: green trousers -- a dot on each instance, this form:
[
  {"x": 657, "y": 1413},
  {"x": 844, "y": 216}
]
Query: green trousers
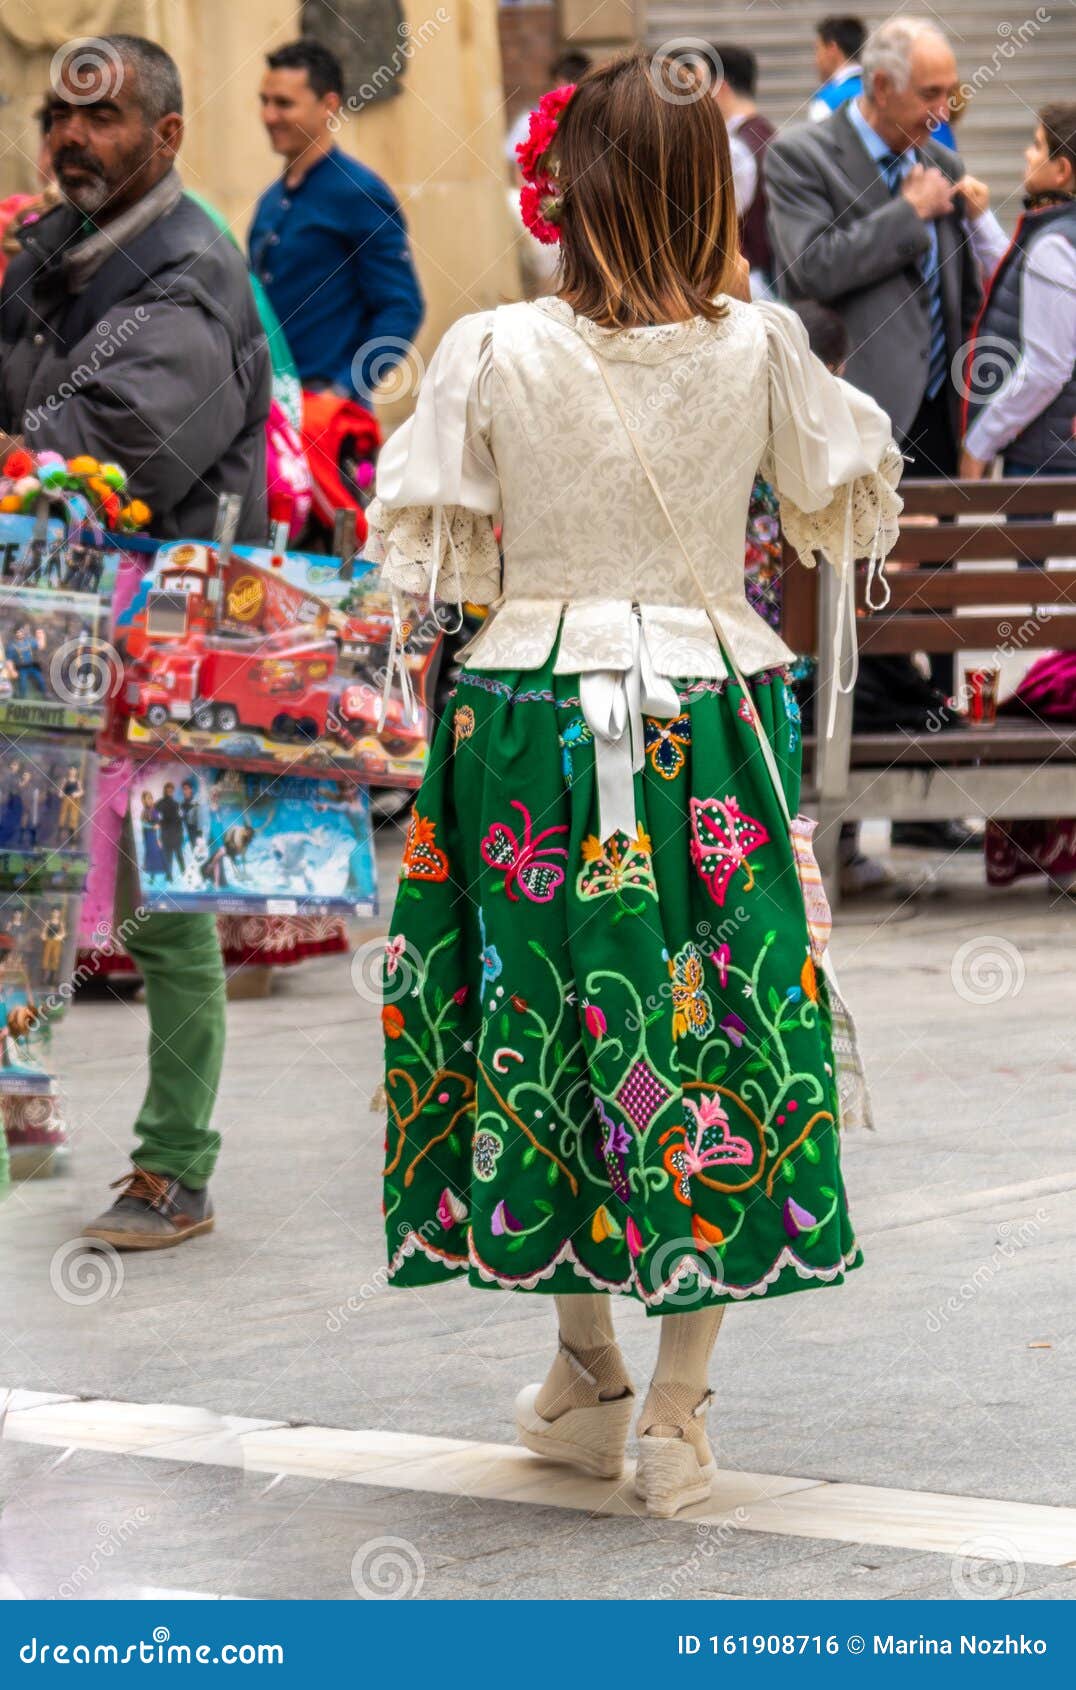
[{"x": 179, "y": 959}]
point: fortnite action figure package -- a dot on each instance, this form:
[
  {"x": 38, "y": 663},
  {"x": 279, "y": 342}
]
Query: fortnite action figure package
[
  {"x": 271, "y": 663},
  {"x": 54, "y": 665},
  {"x": 248, "y": 844},
  {"x": 46, "y": 797}
]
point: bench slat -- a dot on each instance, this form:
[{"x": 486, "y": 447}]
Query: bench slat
[
  {"x": 1005, "y": 743},
  {"x": 986, "y": 542},
  {"x": 884, "y": 635},
  {"x": 928, "y": 589},
  {"x": 982, "y": 498}
]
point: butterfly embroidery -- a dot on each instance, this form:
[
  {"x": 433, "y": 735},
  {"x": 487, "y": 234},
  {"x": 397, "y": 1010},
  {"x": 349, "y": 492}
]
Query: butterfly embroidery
[
  {"x": 620, "y": 865},
  {"x": 665, "y": 742},
  {"x": 712, "y": 1145},
  {"x": 722, "y": 838},
  {"x": 575, "y": 733},
  {"x": 692, "y": 1010},
  {"x": 525, "y": 863},
  {"x": 423, "y": 859}
]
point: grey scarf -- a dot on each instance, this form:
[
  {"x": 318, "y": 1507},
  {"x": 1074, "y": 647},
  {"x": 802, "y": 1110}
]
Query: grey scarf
[{"x": 83, "y": 261}]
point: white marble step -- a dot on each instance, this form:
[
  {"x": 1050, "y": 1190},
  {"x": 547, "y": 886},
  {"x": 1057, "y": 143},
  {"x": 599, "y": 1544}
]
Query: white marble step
[{"x": 968, "y": 1527}]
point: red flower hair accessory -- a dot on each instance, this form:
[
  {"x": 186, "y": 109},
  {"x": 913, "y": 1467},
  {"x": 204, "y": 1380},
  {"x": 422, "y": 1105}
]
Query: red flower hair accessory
[{"x": 540, "y": 198}]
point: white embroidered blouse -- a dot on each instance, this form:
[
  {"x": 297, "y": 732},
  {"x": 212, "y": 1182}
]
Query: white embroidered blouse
[{"x": 514, "y": 424}]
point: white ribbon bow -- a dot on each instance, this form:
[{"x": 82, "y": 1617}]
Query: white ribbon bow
[{"x": 613, "y": 702}]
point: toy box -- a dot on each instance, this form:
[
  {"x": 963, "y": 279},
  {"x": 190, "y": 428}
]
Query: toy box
[
  {"x": 249, "y": 844},
  {"x": 24, "y": 1040},
  {"x": 46, "y": 554},
  {"x": 56, "y": 670},
  {"x": 37, "y": 960},
  {"x": 271, "y": 663},
  {"x": 46, "y": 798}
]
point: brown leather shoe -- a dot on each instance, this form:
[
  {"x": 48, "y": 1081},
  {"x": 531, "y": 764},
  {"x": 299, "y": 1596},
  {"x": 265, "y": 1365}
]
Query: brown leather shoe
[{"x": 152, "y": 1212}]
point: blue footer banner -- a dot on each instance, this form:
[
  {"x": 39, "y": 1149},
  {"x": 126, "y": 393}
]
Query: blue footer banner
[{"x": 519, "y": 1643}]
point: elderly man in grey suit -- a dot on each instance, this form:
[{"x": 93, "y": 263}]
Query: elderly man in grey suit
[{"x": 866, "y": 216}]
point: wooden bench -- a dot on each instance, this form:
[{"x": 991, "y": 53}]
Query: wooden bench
[{"x": 987, "y": 604}]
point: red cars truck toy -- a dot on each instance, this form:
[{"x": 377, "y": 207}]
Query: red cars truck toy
[{"x": 277, "y": 685}]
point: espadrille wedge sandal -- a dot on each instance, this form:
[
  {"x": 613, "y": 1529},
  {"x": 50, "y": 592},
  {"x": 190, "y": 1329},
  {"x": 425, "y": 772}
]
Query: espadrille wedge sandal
[
  {"x": 574, "y": 1418},
  {"x": 675, "y": 1465}
]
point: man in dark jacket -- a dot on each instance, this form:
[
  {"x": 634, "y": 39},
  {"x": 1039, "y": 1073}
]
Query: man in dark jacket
[{"x": 128, "y": 330}]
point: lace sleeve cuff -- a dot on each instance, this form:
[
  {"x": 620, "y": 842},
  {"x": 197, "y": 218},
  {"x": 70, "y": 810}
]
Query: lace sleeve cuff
[
  {"x": 861, "y": 520},
  {"x": 447, "y": 551}
]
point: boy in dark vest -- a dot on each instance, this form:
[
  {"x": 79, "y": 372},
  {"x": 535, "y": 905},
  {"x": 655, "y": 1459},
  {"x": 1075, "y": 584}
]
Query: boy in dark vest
[{"x": 1020, "y": 373}]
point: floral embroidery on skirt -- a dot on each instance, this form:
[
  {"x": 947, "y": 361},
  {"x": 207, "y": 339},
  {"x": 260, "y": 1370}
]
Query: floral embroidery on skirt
[{"x": 609, "y": 1062}]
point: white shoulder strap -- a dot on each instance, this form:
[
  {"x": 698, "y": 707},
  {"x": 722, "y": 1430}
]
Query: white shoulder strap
[{"x": 764, "y": 742}]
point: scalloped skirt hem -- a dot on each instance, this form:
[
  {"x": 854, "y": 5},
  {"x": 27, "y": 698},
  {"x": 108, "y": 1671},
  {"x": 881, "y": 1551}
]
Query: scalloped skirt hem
[{"x": 693, "y": 1284}]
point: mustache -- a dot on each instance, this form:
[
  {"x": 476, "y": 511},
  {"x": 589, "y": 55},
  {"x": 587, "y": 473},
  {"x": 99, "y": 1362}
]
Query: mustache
[{"x": 77, "y": 158}]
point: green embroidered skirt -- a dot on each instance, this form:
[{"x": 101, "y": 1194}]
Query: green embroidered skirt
[{"x": 608, "y": 1064}]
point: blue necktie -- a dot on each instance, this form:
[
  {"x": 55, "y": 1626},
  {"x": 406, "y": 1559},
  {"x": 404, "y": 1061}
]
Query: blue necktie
[{"x": 892, "y": 167}]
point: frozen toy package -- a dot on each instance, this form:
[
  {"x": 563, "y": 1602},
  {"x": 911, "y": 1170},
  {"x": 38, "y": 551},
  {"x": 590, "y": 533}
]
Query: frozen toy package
[{"x": 241, "y": 843}]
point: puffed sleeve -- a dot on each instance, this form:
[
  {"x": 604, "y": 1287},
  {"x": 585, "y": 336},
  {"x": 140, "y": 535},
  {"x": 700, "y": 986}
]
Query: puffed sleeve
[
  {"x": 437, "y": 492},
  {"x": 832, "y": 458}
]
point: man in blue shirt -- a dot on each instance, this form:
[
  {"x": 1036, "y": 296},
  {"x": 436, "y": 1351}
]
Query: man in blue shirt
[
  {"x": 838, "y": 44},
  {"x": 328, "y": 240}
]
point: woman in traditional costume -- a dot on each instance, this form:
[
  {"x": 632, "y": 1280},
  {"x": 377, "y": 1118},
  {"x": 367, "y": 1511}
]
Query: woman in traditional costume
[{"x": 609, "y": 1024}]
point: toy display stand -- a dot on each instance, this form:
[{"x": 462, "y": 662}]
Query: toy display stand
[{"x": 58, "y": 557}]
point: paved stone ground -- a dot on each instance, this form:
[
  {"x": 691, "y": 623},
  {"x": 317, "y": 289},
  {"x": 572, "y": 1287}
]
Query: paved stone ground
[{"x": 945, "y": 1364}]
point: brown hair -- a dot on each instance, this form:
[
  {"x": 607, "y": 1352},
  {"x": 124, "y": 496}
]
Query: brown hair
[
  {"x": 648, "y": 216},
  {"x": 1059, "y": 126}
]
